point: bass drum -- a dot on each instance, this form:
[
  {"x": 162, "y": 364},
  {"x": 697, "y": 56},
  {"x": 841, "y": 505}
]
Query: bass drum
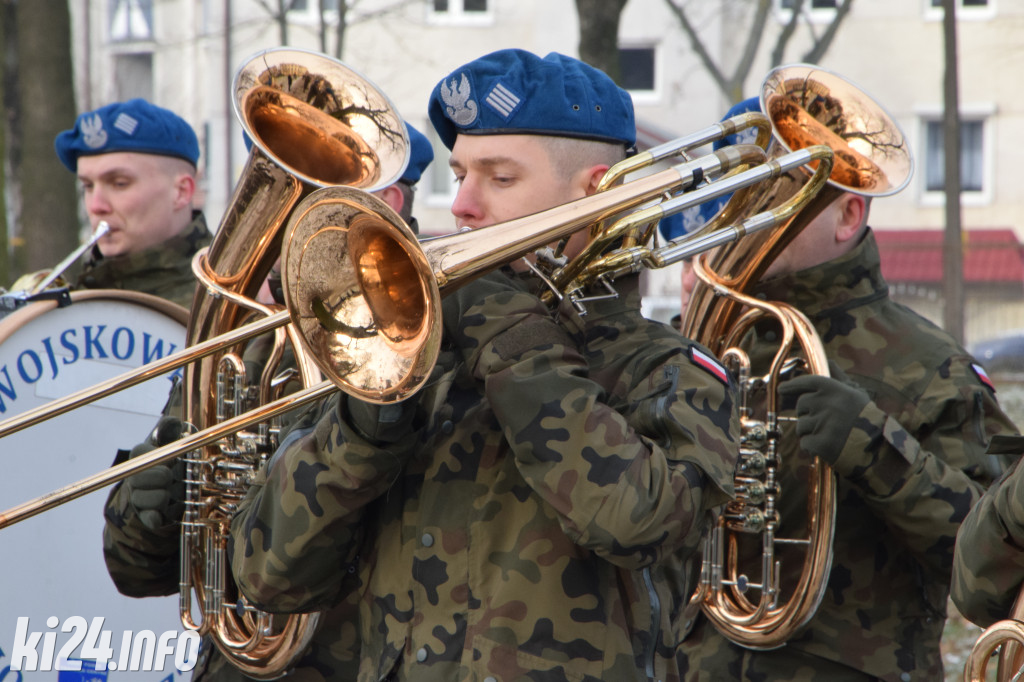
[{"x": 51, "y": 565}]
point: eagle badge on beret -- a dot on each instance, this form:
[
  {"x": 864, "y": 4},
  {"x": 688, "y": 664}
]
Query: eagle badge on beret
[
  {"x": 93, "y": 134},
  {"x": 459, "y": 107}
]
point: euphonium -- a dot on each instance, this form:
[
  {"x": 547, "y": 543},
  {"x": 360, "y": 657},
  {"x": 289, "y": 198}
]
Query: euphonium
[
  {"x": 313, "y": 123},
  {"x": 807, "y": 105}
]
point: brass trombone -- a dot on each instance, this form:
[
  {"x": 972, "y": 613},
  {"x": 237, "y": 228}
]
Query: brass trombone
[{"x": 401, "y": 282}]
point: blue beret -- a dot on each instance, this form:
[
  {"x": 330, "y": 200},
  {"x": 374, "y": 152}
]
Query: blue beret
[
  {"x": 709, "y": 209},
  {"x": 515, "y": 91},
  {"x": 421, "y": 153},
  {"x": 132, "y": 126},
  {"x": 689, "y": 220},
  {"x": 744, "y": 136}
]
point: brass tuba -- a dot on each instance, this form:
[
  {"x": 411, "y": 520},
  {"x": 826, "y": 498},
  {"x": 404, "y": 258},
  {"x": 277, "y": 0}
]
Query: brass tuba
[
  {"x": 807, "y": 105},
  {"x": 313, "y": 123}
]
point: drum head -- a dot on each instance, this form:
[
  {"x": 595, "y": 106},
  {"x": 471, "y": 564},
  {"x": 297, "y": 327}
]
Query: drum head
[{"x": 52, "y": 567}]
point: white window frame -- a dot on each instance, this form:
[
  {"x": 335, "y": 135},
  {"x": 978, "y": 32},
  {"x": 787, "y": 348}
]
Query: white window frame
[
  {"x": 816, "y": 15},
  {"x": 311, "y": 13},
  {"x": 653, "y": 96},
  {"x": 963, "y": 13},
  {"x": 457, "y": 16},
  {"x": 115, "y": 7},
  {"x": 984, "y": 112}
]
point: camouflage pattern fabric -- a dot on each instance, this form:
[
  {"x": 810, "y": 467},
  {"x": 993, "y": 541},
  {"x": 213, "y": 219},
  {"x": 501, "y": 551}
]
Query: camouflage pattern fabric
[
  {"x": 988, "y": 566},
  {"x": 164, "y": 270},
  {"x": 921, "y": 467},
  {"x": 530, "y": 526},
  {"x": 144, "y": 563}
]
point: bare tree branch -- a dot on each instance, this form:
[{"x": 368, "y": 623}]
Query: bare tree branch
[
  {"x": 814, "y": 55},
  {"x": 757, "y": 30},
  {"x": 732, "y": 85},
  {"x": 698, "y": 47},
  {"x": 279, "y": 14},
  {"x": 787, "y": 32}
]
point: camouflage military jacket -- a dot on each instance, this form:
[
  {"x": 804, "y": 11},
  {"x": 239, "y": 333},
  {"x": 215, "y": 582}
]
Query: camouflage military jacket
[
  {"x": 531, "y": 526},
  {"x": 164, "y": 270},
  {"x": 988, "y": 566},
  {"x": 144, "y": 563},
  {"x": 899, "y": 504}
]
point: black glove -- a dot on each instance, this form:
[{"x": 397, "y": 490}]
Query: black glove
[
  {"x": 390, "y": 423},
  {"x": 493, "y": 320},
  {"x": 157, "y": 493},
  {"x": 827, "y": 409}
]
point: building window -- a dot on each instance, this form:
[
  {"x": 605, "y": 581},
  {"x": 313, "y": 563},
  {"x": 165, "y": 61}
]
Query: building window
[
  {"x": 438, "y": 182},
  {"x": 131, "y": 20},
  {"x": 474, "y": 12},
  {"x": 637, "y": 64},
  {"x": 813, "y": 4},
  {"x": 972, "y": 156},
  {"x": 464, "y": 6},
  {"x": 311, "y": 5},
  {"x": 133, "y": 75},
  {"x": 308, "y": 11},
  {"x": 815, "y": 11},
  {"x": 965, "y": 9},
  {"x": 962, "y": 3}
]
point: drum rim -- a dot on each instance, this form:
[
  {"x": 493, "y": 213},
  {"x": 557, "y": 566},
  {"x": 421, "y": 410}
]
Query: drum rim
[{"x": 22, "y": 316}]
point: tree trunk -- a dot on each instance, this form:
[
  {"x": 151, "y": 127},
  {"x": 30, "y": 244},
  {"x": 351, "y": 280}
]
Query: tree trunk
[
  {"x": 42, "y": 105},
  {"x": 339, "y": 43},
  {"x": 599, "y": 34},
  {"x": 6, "y": 91},
  {"x": 952, "y": 262}
]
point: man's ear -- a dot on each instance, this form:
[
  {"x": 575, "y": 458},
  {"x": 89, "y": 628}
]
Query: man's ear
[
  {"x": 852, "y": 216},
  {"x": 592, "y": 178},
  {"x": 393, "y": 197},
  {"x": 185, "y": 187}
]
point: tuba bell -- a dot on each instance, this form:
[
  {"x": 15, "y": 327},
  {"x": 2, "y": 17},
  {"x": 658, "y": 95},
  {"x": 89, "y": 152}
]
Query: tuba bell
[
  {"x": 313, "y": 123},
  {"x": 807, "y": 105}
]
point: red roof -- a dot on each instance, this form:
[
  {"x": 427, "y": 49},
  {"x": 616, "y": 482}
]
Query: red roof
[{"x": 992, "y": 255}]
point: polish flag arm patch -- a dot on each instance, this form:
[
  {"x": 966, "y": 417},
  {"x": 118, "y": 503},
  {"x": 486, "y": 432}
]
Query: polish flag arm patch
[
  {"x": 709, "y": 364},
  {"x": 983, "y": 376}
]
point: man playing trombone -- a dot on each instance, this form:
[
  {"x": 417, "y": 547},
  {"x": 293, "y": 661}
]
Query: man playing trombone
[
  {"x": 141, "y": 539},
  {"x": 533, "y": 511}
]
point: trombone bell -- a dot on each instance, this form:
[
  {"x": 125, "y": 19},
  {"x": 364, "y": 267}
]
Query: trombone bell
[{"x": 362, "y": 294}]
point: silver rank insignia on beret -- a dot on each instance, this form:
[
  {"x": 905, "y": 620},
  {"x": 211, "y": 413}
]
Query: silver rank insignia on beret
[
  {"x": 125, "y": 123},
  {"x": 502, "y": 100},
  {"x": 93, "y": 133},
  {"x": 458, "y": 106}
]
